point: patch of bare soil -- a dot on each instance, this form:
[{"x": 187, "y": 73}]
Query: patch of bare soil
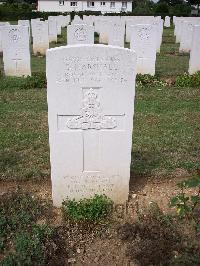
[
  {"x": 174, "y": 53},
  {"x": 123, "y": 240},
  {"x": 169, "y": 80}
]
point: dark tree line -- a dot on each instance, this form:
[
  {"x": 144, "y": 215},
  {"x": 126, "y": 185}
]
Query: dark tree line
[{"x": 21, "y": 1}]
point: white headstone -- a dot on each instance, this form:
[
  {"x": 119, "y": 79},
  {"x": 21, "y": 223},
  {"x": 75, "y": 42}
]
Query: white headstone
[
  {"x": 77, "y": 19},
  {"x": 62, "y": 20},
  {"x": 174, "y": 19},
  {"x": 194, "y": 63},
  {"x": 16, "y": 51},
  {"x": 132, "y": 21},
  {"x": 158, "y": 24},
  {"x": 2, "y": 24},
  {"x": 59, "y": 20},
  {"x": 102, "y": 26},
  {"x": 80, "y": 34},
  {"x": 89, "y": 20},
  {"x": 90, "y": 91},
  {"x": 40, "y": 37},
  {"x": 178, "y": 26},
  {"x": 52, "y": 22},
  {"x": 66, "y": 20},
  {"x": 103, "y": 31},
  {"x": 143, "y": 42},
  {"x": 167, "y": 22},
  {"x": 24, "y": 23},
  {"x": 116, "y": 34},
  {"x": 186, "y": 36},
  {"x": 33, "y": 21}
]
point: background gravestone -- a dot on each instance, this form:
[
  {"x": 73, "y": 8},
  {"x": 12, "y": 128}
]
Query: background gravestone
[
  {"x": 143, "y": 41},
  {"x": 167, "y": 22},
  {"x": 52, "y": 29},
  {"x": 40, "y": 37},
  {"x": 2, "y": 25},
  {"x": 80, "y": 34},
  {"x": 16, "y": 51},
  {"x": 116, "y": 34},
  {"x": 90, "y": 92},
  {"x": 194, "y": 63}
]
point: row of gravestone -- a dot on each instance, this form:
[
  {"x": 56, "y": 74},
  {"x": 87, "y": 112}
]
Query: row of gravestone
[
  {"x": 15, "y": 42},
  {"x": 187, "y": 32},
  {"x": 143, "y": 33}
]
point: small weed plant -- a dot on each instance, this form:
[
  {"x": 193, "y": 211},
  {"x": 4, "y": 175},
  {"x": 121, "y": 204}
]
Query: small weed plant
[
  {"x": 87, "y": 210},
  {"x": 148, "y": 80},
  {"x": 188, "y": 205},
  {"x": 187, "y": 80}
]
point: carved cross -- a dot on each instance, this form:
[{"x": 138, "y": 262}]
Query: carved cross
[
  {"x": 91, "y": 121},
  {"x": 16, "y": 60}
]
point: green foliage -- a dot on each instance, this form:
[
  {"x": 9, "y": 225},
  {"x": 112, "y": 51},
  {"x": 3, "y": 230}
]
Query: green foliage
[
  {"x": 148, "y": 80},
  {"x": 15, "y": 11},
  {"x": 183, "y": 9},
  {"x": 37, "y": 80},
  {"x": 24, "y": 241},
  {"x": 87, "y": 210},
  {"x": 30, "y": 248},
  {"x": 162, "y": 8},
  {"x": 187, "y": 80},
  {"x": 144, "y": 7},
  {"x": 187, "y": 204},
  {"x": 17, "y": 212}
]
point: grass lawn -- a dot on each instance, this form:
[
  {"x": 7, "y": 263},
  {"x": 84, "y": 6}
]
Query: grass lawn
[{"x": 166, "y": 122}]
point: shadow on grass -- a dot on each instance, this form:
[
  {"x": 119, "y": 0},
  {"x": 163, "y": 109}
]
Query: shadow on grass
[
  {"x": 144, "y": 163},
  {"x": 8, "y": 159}
]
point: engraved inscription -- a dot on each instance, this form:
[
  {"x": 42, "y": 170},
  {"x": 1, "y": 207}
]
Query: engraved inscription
[
  {"x": 80, "y": 34},
  {"x": 144, "y": 33},
  {"x": 14, "y": 35},
  {"x": 91, "y": 114},
  {"x": 91, "y": 121},
  {"x": 94, "y": 184},
  {"x": 93, "y": 68}
]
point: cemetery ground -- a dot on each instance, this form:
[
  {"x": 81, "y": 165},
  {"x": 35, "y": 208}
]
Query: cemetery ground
[{"x": 165, "y": 151}]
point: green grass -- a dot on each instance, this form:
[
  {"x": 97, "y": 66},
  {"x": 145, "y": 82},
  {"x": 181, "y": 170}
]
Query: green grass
[
  {"x": 169, "y": 61},
  {"x": 166, "y": 122},
  {"x": 166, "y": 130}
]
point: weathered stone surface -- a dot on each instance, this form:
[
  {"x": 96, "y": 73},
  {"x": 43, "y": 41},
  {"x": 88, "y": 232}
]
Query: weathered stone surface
[
  {"x": 167, "y": 22},
  {"x": 40, "y": 32},
  {"x": 91, "y": 92},
  {"x": 16, "y": 51},
  {"x": 143, "y": 42},
  {"x": 2, "y": 24},
  {"x": 194, "y": 63},
  {"x": 52, "y": 23},
  {"x": 80, "y": 34}
]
